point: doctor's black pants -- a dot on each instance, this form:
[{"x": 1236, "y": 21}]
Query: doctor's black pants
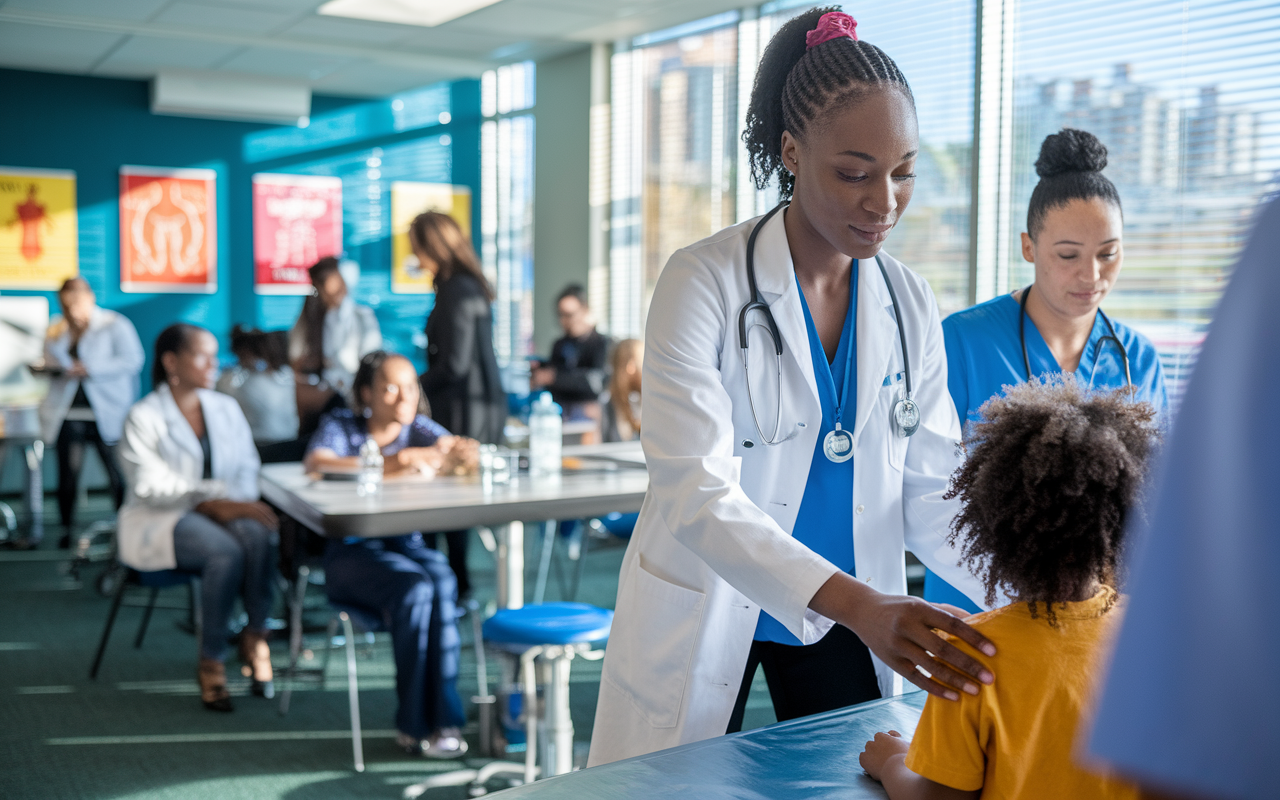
[
  {"x": 72, "y": 439},
  {"x": 834, "y": 672}
]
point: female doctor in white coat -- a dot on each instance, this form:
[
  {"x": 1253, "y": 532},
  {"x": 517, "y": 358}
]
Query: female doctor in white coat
[
  {"x": 774, "y": 528},
  {"x": 192, "y": 470}
]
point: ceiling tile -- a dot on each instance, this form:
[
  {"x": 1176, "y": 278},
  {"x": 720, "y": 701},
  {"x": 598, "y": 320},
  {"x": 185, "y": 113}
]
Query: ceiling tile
[
  {"x": 148, "y": 55},
  {"x": 56, "y": 50},
  {"x": 366, "y": 79},
  {"x": 274, "y": 5},
  {"x": 133, "y": 10},
  {"x": 348, "y": 31},
  {"x": 237, "y": 18},
  {"x": 309, "y": 67},
  {"x": 521, "y": 21},
  {"x": 444, "y": 38}
]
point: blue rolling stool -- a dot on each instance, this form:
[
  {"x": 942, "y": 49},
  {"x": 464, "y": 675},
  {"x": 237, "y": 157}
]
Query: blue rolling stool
[{"x": 556, "y": 633}]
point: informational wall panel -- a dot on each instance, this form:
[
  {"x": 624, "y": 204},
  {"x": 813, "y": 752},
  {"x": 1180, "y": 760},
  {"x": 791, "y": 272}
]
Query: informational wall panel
[
  {"x": 297, "y": 220},
  {"x": 408, "y": 200},
  {"x": 168, "y": 230},
  {"x": 39, "y": 236}
]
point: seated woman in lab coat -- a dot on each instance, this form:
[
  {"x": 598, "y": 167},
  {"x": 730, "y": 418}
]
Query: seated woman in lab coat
[{"x": 192, "y": 504}]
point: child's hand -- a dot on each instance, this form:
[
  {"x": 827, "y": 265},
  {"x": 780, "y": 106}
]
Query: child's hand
[{"x": 880, "y": 749}]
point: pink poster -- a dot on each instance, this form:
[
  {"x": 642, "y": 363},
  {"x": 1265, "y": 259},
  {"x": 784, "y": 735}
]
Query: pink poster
[{"x": 297, "y": 220}]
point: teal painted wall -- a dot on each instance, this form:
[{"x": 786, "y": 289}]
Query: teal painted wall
[
  {"x": 560, "y": 223},
  {"x": 95, "y": 125}
]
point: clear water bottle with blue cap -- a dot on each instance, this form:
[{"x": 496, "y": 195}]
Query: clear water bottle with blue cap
[
  {"x": 545, "y": 435},
  {"x": 369, "y": 479}
]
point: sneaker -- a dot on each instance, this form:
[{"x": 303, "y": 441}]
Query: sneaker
[{"x": 445, "y": 745}]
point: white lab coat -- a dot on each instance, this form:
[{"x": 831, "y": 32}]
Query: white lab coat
[
  {"x": 164, "y": 469},
  {"x": 713, "y": 546},
  {"x": 112, "y": 355}
]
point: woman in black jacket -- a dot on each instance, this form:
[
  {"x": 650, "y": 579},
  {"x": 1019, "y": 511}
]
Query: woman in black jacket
[{"x": 461, "y": 384}]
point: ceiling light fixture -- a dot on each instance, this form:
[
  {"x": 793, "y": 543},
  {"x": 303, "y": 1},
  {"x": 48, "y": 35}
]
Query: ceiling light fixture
[{"x": 427, "y": 13}]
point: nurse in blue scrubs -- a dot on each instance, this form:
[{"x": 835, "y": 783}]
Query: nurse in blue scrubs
[{"x": 1074, "y": 237}]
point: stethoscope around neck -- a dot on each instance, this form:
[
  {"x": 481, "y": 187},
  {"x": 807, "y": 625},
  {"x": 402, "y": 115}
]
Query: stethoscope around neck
[
  {"x": 1111, "y": 335},
  {"x": 905, "y": 416}
]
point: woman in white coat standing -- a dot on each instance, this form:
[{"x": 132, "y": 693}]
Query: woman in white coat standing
[
  {"x": 777, "y": 516},
  {"x": 96, "y": 357},
  {"x": 192, "y": 470}
]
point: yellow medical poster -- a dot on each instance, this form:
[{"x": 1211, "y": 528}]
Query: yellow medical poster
[
  {"x": 39, "y": 235},
  {"x": 408, "y": 200}
]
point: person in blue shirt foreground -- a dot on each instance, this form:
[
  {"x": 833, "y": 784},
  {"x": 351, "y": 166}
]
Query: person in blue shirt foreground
[
  {"x": 1175, "y": 714},
  {"x": 399, "y": 577},
  {"x": 1075, "y": 238}
]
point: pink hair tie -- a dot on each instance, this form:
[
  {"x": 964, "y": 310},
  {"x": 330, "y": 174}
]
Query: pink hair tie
[{"x": 832, "y": 25}]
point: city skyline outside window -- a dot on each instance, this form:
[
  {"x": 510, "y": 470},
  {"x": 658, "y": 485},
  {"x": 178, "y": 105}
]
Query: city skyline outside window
[
  {"x": 675, "y": 167},
  {"x": 1186, "y": 97}
]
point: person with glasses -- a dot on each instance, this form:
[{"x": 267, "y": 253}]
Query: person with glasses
[
  {"x": 1075, "y": 238},
  {"x": 578, "y": 371}
]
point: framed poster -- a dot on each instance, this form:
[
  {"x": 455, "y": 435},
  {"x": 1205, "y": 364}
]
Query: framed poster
[
  {"x": 168, "y": 230},
  {"x": 39, "y": 230},
  {"x": 408, "y": 200},
  {"x": 297, "y": 220}
]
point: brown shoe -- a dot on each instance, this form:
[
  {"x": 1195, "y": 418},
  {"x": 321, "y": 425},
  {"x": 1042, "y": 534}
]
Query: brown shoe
[
  {"x": 213, "y": 685},
  {"x": 256, "y": 656}
]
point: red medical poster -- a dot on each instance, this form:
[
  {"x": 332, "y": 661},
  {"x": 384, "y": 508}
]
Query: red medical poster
[
  {"x": 168, "y": 230},
  {"x": 297, "y": 220}
]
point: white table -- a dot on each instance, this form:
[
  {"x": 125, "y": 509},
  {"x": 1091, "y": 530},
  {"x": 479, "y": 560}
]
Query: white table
[{"x": 334, "y": 509}]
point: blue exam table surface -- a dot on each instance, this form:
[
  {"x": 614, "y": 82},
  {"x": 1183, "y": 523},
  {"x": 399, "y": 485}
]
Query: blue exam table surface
[{"x": 804, "y": 758}]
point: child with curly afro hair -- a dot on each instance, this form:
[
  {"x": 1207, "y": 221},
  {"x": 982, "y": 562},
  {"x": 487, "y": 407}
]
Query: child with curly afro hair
[{"x": 1051, "y": 473}]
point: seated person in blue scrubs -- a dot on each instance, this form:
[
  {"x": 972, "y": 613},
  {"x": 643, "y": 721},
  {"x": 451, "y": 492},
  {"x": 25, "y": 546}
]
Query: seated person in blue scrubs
[
  {"x": 399, "y": 577},
  {"x": 1052, "y": 544},
  {"x": 1074, "y": 237}
]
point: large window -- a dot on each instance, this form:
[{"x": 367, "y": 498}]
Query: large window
[
  {"x": 675, "y": 139},
  {"x": 1186, "y": 97},
  {"x": 506, "y": 204},
  {"x": 680, "y": 171}
]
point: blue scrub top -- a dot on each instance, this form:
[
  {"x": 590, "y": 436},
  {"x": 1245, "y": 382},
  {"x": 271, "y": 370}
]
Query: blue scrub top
[
  {"x": 984, "y": 355},
  {"x": 824, "y": 522}
]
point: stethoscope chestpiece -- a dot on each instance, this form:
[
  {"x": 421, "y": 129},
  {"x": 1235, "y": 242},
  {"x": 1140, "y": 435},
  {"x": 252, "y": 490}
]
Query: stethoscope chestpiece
[{"x": 906, "y": 417}]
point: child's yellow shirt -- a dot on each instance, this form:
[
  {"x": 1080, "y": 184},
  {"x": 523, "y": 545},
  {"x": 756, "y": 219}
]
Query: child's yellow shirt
[{"x": 1016, "y": 738}]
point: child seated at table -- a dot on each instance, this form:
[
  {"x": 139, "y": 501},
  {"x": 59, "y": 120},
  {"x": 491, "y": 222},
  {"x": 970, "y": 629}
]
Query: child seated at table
[
  {"x": 400, "y": 578},
  {"x": 1051, "y": 473}
]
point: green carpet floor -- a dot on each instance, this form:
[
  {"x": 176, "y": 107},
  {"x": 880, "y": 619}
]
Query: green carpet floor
[{"x": 139, "y": 730}]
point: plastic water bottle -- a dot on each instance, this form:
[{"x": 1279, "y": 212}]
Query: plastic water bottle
[
  {"x": 369, "y": 479},
  {"x": 544, "y": 436}
]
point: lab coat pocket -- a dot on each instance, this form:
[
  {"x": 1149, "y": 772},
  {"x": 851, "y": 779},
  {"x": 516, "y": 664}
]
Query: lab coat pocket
[{"x": 650, "y": 661}]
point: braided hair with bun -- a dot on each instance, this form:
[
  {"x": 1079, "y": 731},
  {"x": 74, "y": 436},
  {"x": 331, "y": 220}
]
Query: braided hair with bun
[
  {"x": 1070, "y": 168},
  {"x": 796, "y": 84}
]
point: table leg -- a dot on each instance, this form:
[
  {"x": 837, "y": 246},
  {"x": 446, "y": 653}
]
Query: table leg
[
  {"x": 510, "y": 557},
  {"x": 35, "y": 489}
]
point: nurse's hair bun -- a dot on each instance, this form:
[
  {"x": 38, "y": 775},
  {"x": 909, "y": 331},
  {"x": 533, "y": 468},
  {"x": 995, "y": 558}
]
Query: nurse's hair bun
[
  {"x": 1070, "y": 168},
  {"x": 1071, "y": 150}
]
